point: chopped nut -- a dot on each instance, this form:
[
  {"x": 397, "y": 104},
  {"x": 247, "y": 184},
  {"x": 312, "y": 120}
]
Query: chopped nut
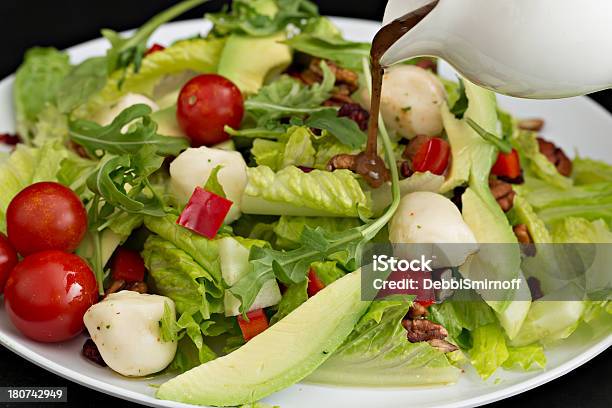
[
  {"x": 404, "y": 169},
  {"x": 503, "y": 193},
  {"x": 443, "y": 345},
  {"x": 534, "y": 124},
  {"x": 343, "y": 75},
  {"x": 115, "y": 286},
  {"x": 90, "y": 351},
  {"x": 535, "y": 288},
  {"x": 522, "y": 234},
  {"x": 417, "y": 311},
  {"x": 139, "y": 287},
  {"x": 423, "y": 330},
  {"x": 556, "y": 156},
  {"x": 342, "y": 161}
]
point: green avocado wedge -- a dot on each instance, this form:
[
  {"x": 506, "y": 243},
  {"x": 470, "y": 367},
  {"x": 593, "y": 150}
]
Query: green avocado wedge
[{"x": 282, "y": 355}]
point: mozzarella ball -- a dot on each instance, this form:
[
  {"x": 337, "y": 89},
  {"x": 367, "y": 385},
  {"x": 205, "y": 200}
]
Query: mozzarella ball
[
  {"x": 193, "y": 167},
  {"x": 433, "y": 226},
  {"x": 125, "y": 327},
  {"x": 107, "y": 115},
  {"x": 411, "y": 100}
]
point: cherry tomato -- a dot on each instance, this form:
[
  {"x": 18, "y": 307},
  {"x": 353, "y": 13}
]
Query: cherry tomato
[
  {"x": 47, "y": 294},
  {"x": 128, "y": 265},
  {"x": 507, "y": 165},
  {"x": 154, "y": 48},
  {"x": 46, "y": 216},
  {"x": 206, "y": 105},
  {"x": 432, "y": 156},
  {"x": 257, "y": 322},
  {"x": 8, "y": 260}
]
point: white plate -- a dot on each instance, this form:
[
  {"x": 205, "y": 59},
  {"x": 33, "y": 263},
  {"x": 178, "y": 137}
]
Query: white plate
[{"x": 576, "y": 122}]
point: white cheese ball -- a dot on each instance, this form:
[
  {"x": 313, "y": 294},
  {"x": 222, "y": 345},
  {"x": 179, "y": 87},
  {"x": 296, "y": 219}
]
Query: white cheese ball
[
  {"x": 107, "y": 115},
  {"x": 411, "y": 101},
  {"x": 125, "y": 328},
  {"x": 430, "y": 218},
  {"x": 193, "y": 167}
]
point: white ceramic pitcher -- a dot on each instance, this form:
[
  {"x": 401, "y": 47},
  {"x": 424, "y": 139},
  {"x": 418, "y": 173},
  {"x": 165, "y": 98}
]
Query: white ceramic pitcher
[{"x": 525, "y": 48}]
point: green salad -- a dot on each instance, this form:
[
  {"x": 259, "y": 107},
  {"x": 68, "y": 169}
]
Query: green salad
[{"x": 195, "y": 206}]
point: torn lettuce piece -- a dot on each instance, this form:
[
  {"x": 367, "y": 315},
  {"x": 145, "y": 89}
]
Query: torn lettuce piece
[
  {"x": 197, "y": 55},
  {"x": 581, "y": 230},
  {"x": 293, "y": 297},
  {"x": 294, "y": 148},
  {"x": 377, "y": 353},
  {"x": 25, "y": 166},
  {"x": 36, "y": 84},
  {"x": 525, "y": 358},
  {"x": 489, "y": 351},
  {"x": 533, "y": 161},
  {"x": 294, "y": 192},
  {"x": 588, "y": 171}
]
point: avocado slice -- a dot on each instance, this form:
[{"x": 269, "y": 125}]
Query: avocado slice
[
  {"x": 280, "y": 356},
  {"x": 167, "y": 124},
  {"x": 248, "y": 61}
]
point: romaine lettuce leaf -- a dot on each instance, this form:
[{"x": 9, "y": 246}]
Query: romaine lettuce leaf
[
  {"x": 328, "y": 272},
  {"x": 25, "y": 166},
  {"x": 198, "y": 55},
  {"x": 489, "y": 350},
  {"x": 581, "y": 230},
  {"x": 536, "y": 163},
  {"x": 293, "y": 149},
  {"x": 377, "y": 353},
  {"x": 525, "y": 358},
  {"x": 587, "y": 171},
  {"x": 523, "y": 213},
  {"x": 294, "y": 192},
  {"x": 36, "y": 83},
  {"x": 293, "y": 297}
]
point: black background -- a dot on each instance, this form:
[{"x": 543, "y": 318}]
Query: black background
[{"x": 63, "y": 23}]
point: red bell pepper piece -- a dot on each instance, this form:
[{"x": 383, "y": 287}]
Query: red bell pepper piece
[
  {"x": 256, "y": 323},
  {"x": 314, "y": 283},
  {"x": 432, "y": 156},
  {"x": 154, "y": 48},
  {"x": 204, "y": 213},
  {"x": 507, "y": 165},
  {"x": 128, "y": 265}
]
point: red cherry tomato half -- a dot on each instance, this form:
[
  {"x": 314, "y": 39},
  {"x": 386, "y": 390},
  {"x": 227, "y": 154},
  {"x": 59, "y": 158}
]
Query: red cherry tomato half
[
  {"x": 315, "y": 285},
  {"x": 432, "y": 156},
  {"x": 8, "y": 260},
  {"x": 46, "y": 216},
  {"x": 256, "y": 323},
  {"x": 154, "y": 48},
  {"x": 206, "y": 104},
  {"x": 507, "y": 165},
  {"x": 47, "y": 294},
  {"x": 128, "y": 265}
]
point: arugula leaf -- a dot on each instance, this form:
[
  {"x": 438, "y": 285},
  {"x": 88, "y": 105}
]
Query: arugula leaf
[
  {"x": 125, "y": 52},
  {"x": 213, "y": 185},
  {"x": 292, "y": 266},
  {"x": 347, "y": 54},
  {"x": 293, "y": 297},
  {"x": 262, "y": 17},
  {"x": 345, "y": 130},
  {"x": 89, "y": 77},
  {"x": 142, "y": 131},
  {"x": 502, "y": 145},
  {"x": 289, "y": 97},
  {"x": 461, "y": 104}
]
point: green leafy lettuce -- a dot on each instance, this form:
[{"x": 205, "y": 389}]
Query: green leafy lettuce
[
  {"x": 289, "y": 230},
  {"x": 36, "y": 85},
  {"x": 377, "y": 352},
  {"x": 296, "y": 150},
  {"x": 587, "y": 171}
]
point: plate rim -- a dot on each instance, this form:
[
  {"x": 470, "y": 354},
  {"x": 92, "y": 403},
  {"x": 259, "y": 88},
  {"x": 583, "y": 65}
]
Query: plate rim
[{"x": 122, "y": 393}]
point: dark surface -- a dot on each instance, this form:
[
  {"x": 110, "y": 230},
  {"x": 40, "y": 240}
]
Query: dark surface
[{"x": 62, "y": 23}]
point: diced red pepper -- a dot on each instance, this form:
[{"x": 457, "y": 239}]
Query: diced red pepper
[
  {"x": 154, "y": 48},
  {"x": 257, "y": 322},
  {"x": 432, "y": 156},
  {"x": 314, "y": 283},
  {"x": 425, "y": 303},
  {"x": 204, "y": 213},
  {"x": 128, "y": 265},
  {"x": 422, "y": 295},
  {"x": 507, "y": 165}
]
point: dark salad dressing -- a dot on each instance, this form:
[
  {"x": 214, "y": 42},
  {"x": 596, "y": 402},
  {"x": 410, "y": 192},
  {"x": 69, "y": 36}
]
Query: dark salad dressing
[{"x": 368, "y": 163}]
